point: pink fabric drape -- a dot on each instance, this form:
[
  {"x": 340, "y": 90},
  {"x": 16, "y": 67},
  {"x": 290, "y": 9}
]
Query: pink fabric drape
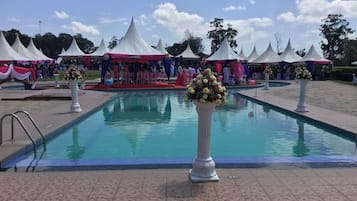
[
  {"x": 18, "y": 72},
  {"x": 219, "y": 68},
  {"x": 235, "y": 68}
]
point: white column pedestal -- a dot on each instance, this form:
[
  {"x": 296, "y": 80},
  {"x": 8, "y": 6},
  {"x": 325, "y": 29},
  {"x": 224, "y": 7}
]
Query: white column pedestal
[
  {"x": 266, "y": 85},
  {"x": 301, "y": 106},
  {"x": 203, "y": 167},
  {"x": 75, "y": 107},
  {"x": 56, "y": 80}
]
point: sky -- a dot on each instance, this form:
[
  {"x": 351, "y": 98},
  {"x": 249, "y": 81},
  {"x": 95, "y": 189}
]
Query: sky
[{"x": 257, "y": 21}]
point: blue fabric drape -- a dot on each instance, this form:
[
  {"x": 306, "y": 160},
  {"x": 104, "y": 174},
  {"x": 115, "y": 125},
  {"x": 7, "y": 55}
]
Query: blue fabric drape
[{"x": 105, "y": 67}]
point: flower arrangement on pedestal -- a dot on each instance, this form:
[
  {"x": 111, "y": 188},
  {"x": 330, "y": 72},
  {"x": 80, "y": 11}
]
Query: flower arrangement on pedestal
[
  {"x": 206, "y": 93},
  {"x": 73, "y": 75},
  {"x": 268, "y": 70},
  {"x": 303, "y": 75},
  {"x": 206, "y": 88}
]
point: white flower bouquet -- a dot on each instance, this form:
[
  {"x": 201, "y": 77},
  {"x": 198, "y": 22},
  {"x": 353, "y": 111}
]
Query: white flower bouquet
[{"x": 206, "y": 88}]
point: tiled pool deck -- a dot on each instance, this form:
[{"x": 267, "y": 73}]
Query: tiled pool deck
[{"x": 327, "y": 102}]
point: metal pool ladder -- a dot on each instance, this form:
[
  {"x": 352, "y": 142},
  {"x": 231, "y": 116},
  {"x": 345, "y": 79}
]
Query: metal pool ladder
[{"x": 15, "y": 116}]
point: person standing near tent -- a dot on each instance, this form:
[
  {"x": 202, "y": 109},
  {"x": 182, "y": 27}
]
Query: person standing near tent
[
  {"x": 179, "y": 80},
  {"x": 116, "y": 72}
]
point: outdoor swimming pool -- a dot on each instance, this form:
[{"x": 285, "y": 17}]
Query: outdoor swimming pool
[{"x": 159, "y": 127}]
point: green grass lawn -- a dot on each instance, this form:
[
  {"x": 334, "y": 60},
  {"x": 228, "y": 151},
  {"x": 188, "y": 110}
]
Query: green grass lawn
[{"x": 90, "y": 75}]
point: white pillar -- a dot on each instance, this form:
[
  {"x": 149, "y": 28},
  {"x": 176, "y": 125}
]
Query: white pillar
[
  {"x": 75, "y": 107},
  {"x": 266, "y": 85},
  {"x": 56, "y": 80},
  {"x": 301, "y": 106},
  {"x": 203, "y": 167}
]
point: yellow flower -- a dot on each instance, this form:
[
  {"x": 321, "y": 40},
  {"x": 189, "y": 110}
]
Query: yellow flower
[
  {"x": 213, "y": 78},
  {"x": 191, "y": 90},
  {"x": 205, "y": 90}
]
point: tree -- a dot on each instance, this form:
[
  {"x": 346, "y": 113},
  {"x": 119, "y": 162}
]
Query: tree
[
  {"x": 278, "y": 42},
  {"x": 49, "y": 44},
  {"x": 219, "y": 33},
  {"x": 301, "y": 52},
  {"x": 195, "y": 44},
  {"x": 334, "y": 30},
  {"x": 86, "y": 45},
  {"x": 113, "y": 42},
  {"x": 350, "y": 52},
  {"x": 231, "y": 34}
]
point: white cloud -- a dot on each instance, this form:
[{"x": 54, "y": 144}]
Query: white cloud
[
  {"x": 248, "y": 28},
  {"x": 61, "y": 15},
  {"x": 106, "y": 20},
  {"x": 313, "y": 11},
  {"x": 13, "y": 19},
  {"x": 232, "y": 8},
  {"x": 78, "y": 27},
  {"x": 261, "y": 22},
  {"x": 252, "y": 1},
  {"x": 155, "y": 36},
  {"x": 144, "y": 20},
  {"x": 309, "y": 33},
  {"x": 178, "y": 22},
  {"x": 287, "y": 17}
]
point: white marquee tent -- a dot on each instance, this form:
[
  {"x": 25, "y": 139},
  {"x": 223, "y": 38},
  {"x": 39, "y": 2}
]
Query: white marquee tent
[
  {"x": 102, "y": 49},
  {"x": 133, "y": 46},
  {"x": 22, "y": 50},
  {"x": 39, "y": 55},
  {"x": 224, "y": 53},
  {"x": 160, "y": 48},
  {"x": 73, "y": 50},
  {"x": 312, "y": 55},
  {"x": 288, "y": 55},
  {"x": 242, "y": 55},
  {"x": 7, "y": 53},
  {"x": 268, "y": 56},
  {"x": 253, "y": 55},
  {"x": 188, "y": 53}
]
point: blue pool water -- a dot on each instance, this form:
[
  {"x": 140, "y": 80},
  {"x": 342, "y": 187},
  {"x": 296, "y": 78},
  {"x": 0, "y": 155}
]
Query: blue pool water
[{"x": 159, "y": 127}]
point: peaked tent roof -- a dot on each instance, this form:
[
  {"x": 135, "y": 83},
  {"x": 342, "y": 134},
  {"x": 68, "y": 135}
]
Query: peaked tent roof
[
  {"x": 39, "y": 55},
  {"x": 102, "y": 49},
  {"x": 242, "y": 55},
  {"x": 188, "y": 54},
  {"x": 224, "y": 53},
  {"x": 22, "y": 50},
  {"x": 7, "y": 53},
  {"x": 288, "y": 55},
  {"x": 160, "y": 48},
  {"x": 312, "y": 55},
  {"x": 132, "y": 46},
  {"x": 268, "y": 56},
  {"x": 73, "y": 50},
  {"x": 253, "y": 55}
]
